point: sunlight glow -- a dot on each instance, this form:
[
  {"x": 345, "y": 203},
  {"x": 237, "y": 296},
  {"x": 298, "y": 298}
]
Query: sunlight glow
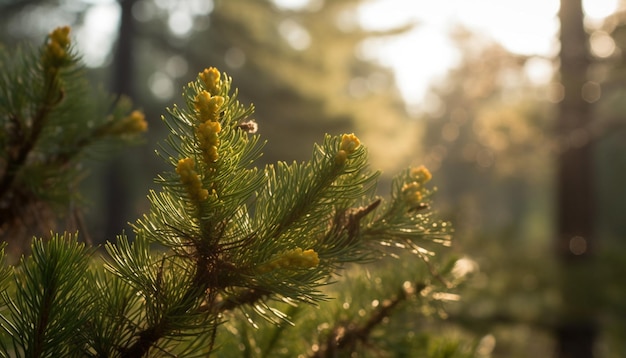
[
  {"x": 291, "y": 4},
  {"x": 528, "y": 27},
  {"x": 602, "y": 44},
  {"x": 295, "y": 34},
  {"x": 426, "y": 53},
  {"x": 522, "y": 26},
  {"x": 161, "y": 86},
  {"x": 421, "y": 56},
  {"x": 180, "y": 22},
  {"x": 538, "y": 70},
  {"x": 598, "y": 9},
  {"x": 96, "y": 37}
]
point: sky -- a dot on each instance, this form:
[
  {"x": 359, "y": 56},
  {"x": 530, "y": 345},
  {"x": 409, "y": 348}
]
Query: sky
[
  {"x": 527, "y": 27},
  {"x": 505, "y": 21}
]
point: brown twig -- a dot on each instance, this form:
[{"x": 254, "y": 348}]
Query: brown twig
[{"x": 345, "y": 336}]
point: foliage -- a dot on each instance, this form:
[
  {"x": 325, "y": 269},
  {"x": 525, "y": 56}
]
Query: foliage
[
  {"x": 298, "y": 91},
  {"x": 224, "y": 243},
  {"x": 50, "y": 122},
  {"x": 298, "y": 94},
  {"x": 273, "y": 51}
]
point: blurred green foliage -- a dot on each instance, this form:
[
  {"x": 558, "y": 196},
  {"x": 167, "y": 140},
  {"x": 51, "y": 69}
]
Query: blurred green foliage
[
  {"x": 487, "y": 133},
  {"x": 222, "y": 237}
]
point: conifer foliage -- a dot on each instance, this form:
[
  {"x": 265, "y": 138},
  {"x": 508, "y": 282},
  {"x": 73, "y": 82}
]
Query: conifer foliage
[
  {"x": 222, "y": 236},
  {"x": 49, "y": 123}
]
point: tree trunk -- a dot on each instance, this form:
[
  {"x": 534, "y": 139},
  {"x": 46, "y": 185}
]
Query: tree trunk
[
  {"x": 117, "y": 191},
  {"x": 576, "y": 332}
]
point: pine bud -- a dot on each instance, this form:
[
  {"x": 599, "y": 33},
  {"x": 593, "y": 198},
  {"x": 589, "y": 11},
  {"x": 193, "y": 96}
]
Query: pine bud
[
  {"x": 211, "y": 79},
  {"x": 349, "y": 143},
  {"x": 191, "y": 179}
]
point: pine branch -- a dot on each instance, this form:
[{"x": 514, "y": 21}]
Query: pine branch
[
  {"x": 51, "y": 301},
  {"x": 221, "y": 234},
  {"x": 167, "y": 326},
  {"x": 24, "y": 138},
  {"x": 52, "y": 122},
  {"x": 248, "y": 297},
  {"x": 346, "y": 336}
]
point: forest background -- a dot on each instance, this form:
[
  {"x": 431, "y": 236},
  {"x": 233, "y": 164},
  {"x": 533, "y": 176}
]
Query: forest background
[{"x": 514, "y": 159}]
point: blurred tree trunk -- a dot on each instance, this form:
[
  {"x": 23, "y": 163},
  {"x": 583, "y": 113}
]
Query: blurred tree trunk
[
  {"x": 116, "y": 189},
  {"x": 123, "y": 60},
  {"x": 576, "y": 332}
]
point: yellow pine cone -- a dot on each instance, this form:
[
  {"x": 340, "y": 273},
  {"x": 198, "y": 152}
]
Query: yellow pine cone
[
  {"x": 412, "y": 196},
  {"x": 413, "y": 191},
  {"x": 295, "y": 259},
  {"x": 56, "y": 47},
  {"x": 211, "y": 79},
  {"x": 349, "y": 143},
  {"x": 135, "y": 122},
  {"x": 421, "y": 174},
  {"x": 191, "y": 180},
  {"x": 60, "y": 36},
  {"x": 208, "y": 106},
  {"x": 209, "y": 140}
]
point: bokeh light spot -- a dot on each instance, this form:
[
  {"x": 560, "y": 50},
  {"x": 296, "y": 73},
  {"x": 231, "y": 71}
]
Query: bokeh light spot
[
  {"x": 235, "y": 58},
  {"x": 591, "y": 91},
  {"x": 578, "y": 245},
  {"x": 180, "y": 23},
  {"x": 295, "y": 34},
  {"x": 602, "y": 44},
  {"x": 161, "y": 86}
]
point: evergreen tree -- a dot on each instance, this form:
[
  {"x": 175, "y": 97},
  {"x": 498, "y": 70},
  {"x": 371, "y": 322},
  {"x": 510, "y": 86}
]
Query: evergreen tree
[
  {"x": 300, "y": 67},
  {"x": 50, "y": 127},
  {"x": 224, "y": 239},
  {"x": 300, "y": 92}
]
